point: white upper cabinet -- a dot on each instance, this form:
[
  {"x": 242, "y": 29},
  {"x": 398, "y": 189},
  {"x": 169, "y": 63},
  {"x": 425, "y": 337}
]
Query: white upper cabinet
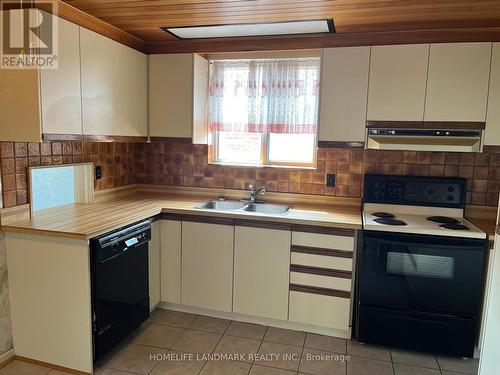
[
  {"x": 457, "y": 86},
  {"x": 178, "y": 91},
  {"x": 398, "y": 76},
  {"x": 34, "y": 102},
  {"x": 114, "y": 87},
  {"x": 61, "y": 94},
  {"x": 492, "y": 132},
  {"x": 344, "y": 85}
]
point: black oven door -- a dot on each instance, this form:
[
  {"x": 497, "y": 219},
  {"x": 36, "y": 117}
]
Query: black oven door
[{"x": 421, "y": 273}]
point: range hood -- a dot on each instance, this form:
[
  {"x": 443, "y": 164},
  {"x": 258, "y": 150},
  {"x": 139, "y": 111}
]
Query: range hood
[{"x": 424, "y": 139}]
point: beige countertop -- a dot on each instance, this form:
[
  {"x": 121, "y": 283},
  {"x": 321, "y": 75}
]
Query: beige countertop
[{"x": 84, "y": 221}]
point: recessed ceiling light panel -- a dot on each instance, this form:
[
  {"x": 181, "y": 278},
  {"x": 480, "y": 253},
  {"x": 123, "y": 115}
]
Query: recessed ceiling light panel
[{"x": 252, "y": 29}]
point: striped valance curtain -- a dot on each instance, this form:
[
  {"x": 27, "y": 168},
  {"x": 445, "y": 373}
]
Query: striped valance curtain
[{"x": 264, "y": 96}]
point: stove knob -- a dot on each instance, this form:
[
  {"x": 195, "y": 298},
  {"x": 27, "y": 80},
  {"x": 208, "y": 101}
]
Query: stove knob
[
  {"x": 430, "y": 191},
  {"x": 451, "y": 189},
  {"x": 450, "y": 197}
]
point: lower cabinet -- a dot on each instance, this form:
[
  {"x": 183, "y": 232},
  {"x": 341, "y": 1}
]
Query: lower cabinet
[
  {"x": 261, "y": 272},
  {"x": 319, "y": 310},
  {"x": 154, "y": 265},
  {"x": 170, "y": 279},
  {"x": 207, "y": 265}
]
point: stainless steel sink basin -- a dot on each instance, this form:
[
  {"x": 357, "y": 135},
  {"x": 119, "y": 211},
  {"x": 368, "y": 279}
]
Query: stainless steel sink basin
[
  {"x": 267, "y": 208},
  {"x": 260, "y": 208},
  {"x": 221, "y": 205}
]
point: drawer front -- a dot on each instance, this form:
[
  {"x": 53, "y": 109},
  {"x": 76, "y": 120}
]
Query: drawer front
[
  {"x": 313, "y": 260},
  {"x": 320, "y": 281},
  {"x": 319, "y": 310},
  {"x": 325, "y": 241}
]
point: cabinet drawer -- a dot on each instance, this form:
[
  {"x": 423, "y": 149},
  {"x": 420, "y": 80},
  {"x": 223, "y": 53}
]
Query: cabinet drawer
[
  {"x": 313, "y": 260},
  {"x": 326, "y": 241},
  {"x": 320, "y": 281},
  {"x": 319, "y": 310}
]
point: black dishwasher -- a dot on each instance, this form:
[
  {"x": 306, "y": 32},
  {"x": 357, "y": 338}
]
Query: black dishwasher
[{"x": 120, "y": 285}]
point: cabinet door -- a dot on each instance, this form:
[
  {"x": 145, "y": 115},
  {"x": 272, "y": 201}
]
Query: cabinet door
[
  {"x": 398, "y": 77},
  {"x": 457, "y": 86},
  {"x": 344, "y": 85},
  {"x": 114, "y": 87},
  {"x": 261, "y": 272},
  {"x": 154, "y": 265},
  {"x": 171, "y": 95},
  {"x": 60, "y": 88},
  {"x": 170, "y": 261},
  {"x": 492, "y": 132},
  {"x": 207, "y": 265},
  {"x": 19, "y": 100}
]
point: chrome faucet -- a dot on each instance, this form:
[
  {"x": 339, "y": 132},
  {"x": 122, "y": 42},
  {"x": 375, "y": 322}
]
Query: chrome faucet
[{"x": 254, "y": 193}]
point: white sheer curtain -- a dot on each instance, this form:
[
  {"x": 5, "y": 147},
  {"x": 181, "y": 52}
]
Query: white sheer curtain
[{"x": 264, "y": 96}]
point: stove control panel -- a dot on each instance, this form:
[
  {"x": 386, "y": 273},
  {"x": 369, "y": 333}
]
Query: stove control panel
[{"x": 412, "y": 190}]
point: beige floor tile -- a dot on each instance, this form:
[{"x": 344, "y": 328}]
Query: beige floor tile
[
  {"x": 364, "y": 366},
  {"x": 153, "y": 315},
  {"x": 248, "y": 330},
  {"x": 469, "y": 365},
  {"x": 319, "y": 362},
  {"x": 135, "y": 358},
  {"x": 209, "y": 324},
  {"x": 23, "y": 368},
  {"x": 264, "y": 370},
  {"x": 414, "y": 358},
  {"x": 159, "y": 336},
  {"x": 368, "y": 351},
  {"x": 179, "y": 364},
  {"x": 174, "y": 318},
  {"x": 401, "y": 369},
  {"x": 326, "y": 343},
  {"x": 279, "y": 355},
  {"x": 240, "y": 346},
  {"x": 197, "y": 342},
  {"x": 452, "y": 373},
  {"x": 225, "y": 368},
  {"x": 285, "y": 336}
]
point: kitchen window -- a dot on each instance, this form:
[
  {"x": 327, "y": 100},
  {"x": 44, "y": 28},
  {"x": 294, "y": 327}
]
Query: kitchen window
[{"x": 264, "y": 112}]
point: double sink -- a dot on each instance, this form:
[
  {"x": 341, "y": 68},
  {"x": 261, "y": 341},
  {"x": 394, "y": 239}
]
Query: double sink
[{"x": 232, "y": 205}]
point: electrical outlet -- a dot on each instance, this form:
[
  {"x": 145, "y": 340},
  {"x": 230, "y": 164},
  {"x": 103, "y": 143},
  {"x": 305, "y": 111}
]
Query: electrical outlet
[
  {"x": 98, "y": 172},
  {"x": 330, "y": 180}
]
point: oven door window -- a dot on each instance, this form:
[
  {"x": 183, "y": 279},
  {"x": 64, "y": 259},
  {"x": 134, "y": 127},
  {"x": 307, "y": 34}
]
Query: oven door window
[{"x": 423, "y": 265}]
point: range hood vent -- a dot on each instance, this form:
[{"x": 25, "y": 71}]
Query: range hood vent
[{"x": 424, "y": 139}]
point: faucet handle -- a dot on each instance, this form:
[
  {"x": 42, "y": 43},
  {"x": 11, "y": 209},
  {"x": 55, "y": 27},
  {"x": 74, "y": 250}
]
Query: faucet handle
[{"x": 250, "y": 187}]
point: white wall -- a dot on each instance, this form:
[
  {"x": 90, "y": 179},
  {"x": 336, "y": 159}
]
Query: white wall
[{"x": 5, "y": 324}]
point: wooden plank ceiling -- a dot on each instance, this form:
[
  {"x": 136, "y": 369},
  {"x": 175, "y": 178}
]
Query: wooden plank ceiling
[{"x": 143, "y": 18}]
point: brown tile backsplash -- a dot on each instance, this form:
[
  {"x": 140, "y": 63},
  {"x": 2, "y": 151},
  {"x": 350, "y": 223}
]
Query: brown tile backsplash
[
  {"x": 116, "y": 160},
  {"x": 184, "y": 164}
]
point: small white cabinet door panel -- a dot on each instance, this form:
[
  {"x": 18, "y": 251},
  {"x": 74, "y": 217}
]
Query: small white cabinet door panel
[
  {"x": 320, "y": 310},
  {"x": 344, "y": 85},
  {"x": 492, "y": 132},
  {"x": 171, "y": 261},
  {"x": 398, "y": 76},
  {"x": 207, "y": 265},
  {"x": 60, "y": 88},
  {"x": 457, "y": 85},
  {"x": 114, "y": 87},
  {"x": 261, "y": 272},
  {"x": 154, "y": 265}
]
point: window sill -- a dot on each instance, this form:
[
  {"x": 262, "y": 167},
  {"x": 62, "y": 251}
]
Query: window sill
[{"x": 262, "y": 166}]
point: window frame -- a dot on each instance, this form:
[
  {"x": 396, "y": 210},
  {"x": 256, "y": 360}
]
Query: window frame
[{"x": 264, "y": 160}]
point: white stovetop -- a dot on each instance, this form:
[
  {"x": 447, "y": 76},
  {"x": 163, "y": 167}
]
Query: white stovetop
[{"x": 416, "y": 218}]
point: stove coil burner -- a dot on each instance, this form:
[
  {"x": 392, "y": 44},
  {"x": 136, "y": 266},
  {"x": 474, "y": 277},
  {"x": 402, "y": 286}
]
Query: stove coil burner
[
  {"x": 443, "y": 220},
  {"x": 389, "y": 221},
  {"x": 384, "y": 215},
  {"x": 455, "y": 226}
]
